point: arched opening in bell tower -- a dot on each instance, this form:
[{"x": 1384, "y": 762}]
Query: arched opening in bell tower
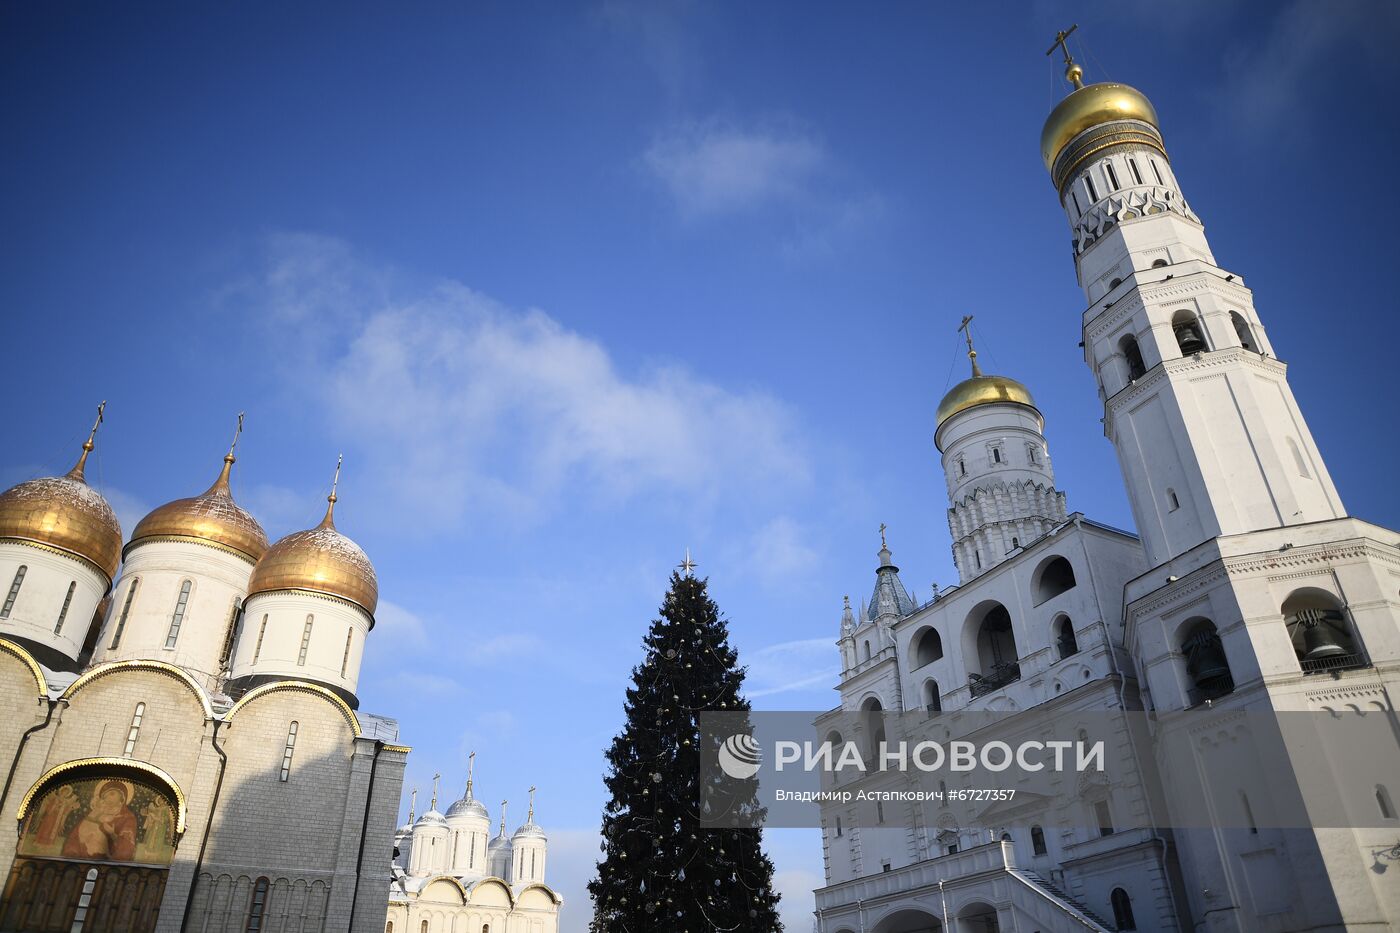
[
  {"x": 1206, "y": 664},
  {"x": 1243, "y": 331},
  {"x": 1132, "y": 356},
  {"x": 1190, "y": 339},
  {"x": 1320, "y": 631}
]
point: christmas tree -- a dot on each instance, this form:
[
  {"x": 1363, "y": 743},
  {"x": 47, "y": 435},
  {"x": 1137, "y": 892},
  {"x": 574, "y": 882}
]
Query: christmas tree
[{"x": 661, "y": 872}]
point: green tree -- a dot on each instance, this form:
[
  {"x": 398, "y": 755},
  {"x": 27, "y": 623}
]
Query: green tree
[{"x": 661, "y": 872}]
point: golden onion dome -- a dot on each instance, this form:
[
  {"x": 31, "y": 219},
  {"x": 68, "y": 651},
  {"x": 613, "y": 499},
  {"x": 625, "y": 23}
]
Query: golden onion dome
[
  {"x": 981, "y": 389},
  {"x": 321, "y": 560},
  {"x": 1091, "y": 106},
  {"x": 64, "y": 512},
  {"x": 212, "y": 516}
]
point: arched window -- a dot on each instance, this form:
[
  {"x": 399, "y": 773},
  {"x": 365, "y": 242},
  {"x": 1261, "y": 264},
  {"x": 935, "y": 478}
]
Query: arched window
[
  {"x": 874, "y": 716},
  {"x": 1189, "y": 338},
  {"x": 423, "y": 927},
  {"x": 305, "y": 641},
  {"x": 1320, "y": 631},
  {"x": 928, "y": 647},
  {"x": 1112, "y": 176},
  {"x": 1114, "y": 283},
  {"x": 1383, "y": 803},
  {"x": 1159, "y": 264},
  {"x": 126, "y": 610},
  {"x": 389, "y": 926},
  {"x": 67, "y": 602},
  {"x": 1298, "y": 462},
  {"x": 11, "y": 596},
  {"x": 867, "y": 649},
  {"x": 1104, "y": 817},
  {"x": 177, "y": 618},
  {"x": 84, "y": 901},
  {"x": 134, "y": 730},
  {"x": 1054, "y": 577},
  {"x": 262, "y": 630},
  {"x": 991, "y": 641},
  {"x": 1064, "y": 638},
  {"x": 1037, "y": 840},
  {"x": 1006, "y": 837},
  {"x": 1128, "y": 346},
  {"x": 235, "y": 614},
  {"x": 345, "y": 658},
  {"x": 1242, "y": 330},
  {"x": 256, "y": 906},
  {"x": 1122, "y": 910},
  {"x": 1206, "y": 663},
  {"x": 287, "y": 752},
  {"x": 933, "y": 702},
  {"x": 838, "y": 827}
]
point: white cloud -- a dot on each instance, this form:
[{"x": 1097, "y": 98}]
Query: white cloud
[
  {"x": 1265, "y": 80},
  {"x": 715, "y": 167},
  {"x": 399, "y": 626},
  {"x": 791, "y": 665},
  {"x": 498, "y": 647},
  {"x": 454, "y": 403},
  {"x": 128, "y": 508},
  {"x": 422, "y": 683},
  {"x": 780, "y": 552},
  {"x": 663, "y": 35}
]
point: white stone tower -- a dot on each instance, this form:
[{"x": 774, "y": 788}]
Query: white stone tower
[
  {"x": 1262, "y": 595},
  {"x": 1001, "y": 489},
  {"x": 1208, "y": 434}
]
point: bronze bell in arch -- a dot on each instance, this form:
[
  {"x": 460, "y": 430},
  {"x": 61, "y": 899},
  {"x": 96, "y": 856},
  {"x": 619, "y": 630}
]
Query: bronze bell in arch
[
  {"x": 1205, "y": 660},
  {"x": 1188, "y": 338},
  {"x": 1319, "y": 636}
]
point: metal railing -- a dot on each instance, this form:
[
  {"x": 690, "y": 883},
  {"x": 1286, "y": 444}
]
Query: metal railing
[
  {"x": 1000, "y": 675},
  {"x": 1338, "y": 662}
]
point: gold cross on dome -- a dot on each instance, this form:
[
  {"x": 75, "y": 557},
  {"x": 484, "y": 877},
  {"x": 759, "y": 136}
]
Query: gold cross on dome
[
  {"x": 965, "y": 328},
  {"x": 1060, "y": 38},
  {"x": 883, "y": 527}
]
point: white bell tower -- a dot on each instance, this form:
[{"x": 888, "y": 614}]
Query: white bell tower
[{"x": 1208, "y": 434}]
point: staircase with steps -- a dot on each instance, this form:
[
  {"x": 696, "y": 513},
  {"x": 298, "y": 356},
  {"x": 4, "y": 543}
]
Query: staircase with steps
[{"x": 1070, "y": 906}]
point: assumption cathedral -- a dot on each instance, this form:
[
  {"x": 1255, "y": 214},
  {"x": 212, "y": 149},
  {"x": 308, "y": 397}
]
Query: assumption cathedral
[
  {"x": 1247, "y": 591},
  {"x": 183, "y": 747}
]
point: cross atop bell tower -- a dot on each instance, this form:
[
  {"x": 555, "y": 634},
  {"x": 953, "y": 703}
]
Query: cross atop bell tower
[{"x": 1073, "y": 72}]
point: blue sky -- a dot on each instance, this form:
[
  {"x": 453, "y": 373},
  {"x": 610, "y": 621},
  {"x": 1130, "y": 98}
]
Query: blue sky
[{"x": 576, "y": 287}]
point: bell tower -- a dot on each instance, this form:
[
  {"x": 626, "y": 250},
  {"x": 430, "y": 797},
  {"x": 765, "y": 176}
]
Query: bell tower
[{"x": 1209, "y": 437}]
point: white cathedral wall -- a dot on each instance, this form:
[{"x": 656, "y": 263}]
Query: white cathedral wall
[
  {"x": 158, "y": 570},
  {"x": 286, "y": 613},
  {"x": 42, "y": 592},
  {"x": 467, "y": 846}
]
